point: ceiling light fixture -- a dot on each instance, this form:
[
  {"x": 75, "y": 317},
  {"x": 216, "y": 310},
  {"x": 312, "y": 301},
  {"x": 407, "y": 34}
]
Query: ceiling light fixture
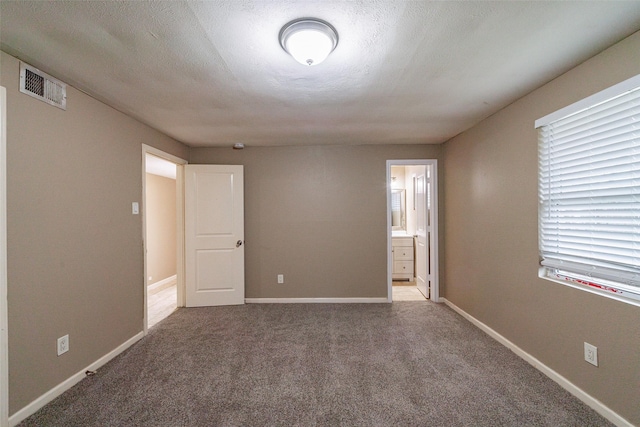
[{"x": 308, "y": 40}]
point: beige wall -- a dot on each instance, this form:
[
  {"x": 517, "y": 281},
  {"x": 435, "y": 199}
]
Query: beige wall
[
  {"x": 75, "y": 262},
  {"x": 161, "y": 225},
  {"x": 317, "y": 215},
  {"x": 491, "y": 243}
]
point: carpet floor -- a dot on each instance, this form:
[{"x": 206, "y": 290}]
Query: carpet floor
[{"x": 400, "y": 364}]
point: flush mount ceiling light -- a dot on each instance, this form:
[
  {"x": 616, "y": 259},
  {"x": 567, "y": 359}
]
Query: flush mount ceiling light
[{"x": 308, "y": 40}]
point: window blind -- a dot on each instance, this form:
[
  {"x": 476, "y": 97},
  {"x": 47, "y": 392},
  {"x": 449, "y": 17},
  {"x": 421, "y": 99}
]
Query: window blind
[{"x": 589, "y": 191}]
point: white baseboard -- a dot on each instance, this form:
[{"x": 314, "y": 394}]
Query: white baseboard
[
  {"x": 589, "y": 400},
  {"x": 161, "y": 284},
  {"x": 32, "y": 407},
  {"x": 315, "y": 300}
]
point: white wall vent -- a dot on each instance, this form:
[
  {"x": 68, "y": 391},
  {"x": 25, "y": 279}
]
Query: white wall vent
[{"x": 42, "y": 86}]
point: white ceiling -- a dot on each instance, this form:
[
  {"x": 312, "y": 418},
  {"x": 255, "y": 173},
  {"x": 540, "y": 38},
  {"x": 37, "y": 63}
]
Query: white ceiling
[{"x": 212, "y": 73}]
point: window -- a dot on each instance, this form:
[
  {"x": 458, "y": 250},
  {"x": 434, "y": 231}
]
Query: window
[{"x": 589, "y": 193}]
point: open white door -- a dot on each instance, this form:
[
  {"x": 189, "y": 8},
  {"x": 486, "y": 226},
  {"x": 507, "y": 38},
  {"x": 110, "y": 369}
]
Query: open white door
[
  {"x": 422, "y": 234},
  {"x": 214, "y": 235}
]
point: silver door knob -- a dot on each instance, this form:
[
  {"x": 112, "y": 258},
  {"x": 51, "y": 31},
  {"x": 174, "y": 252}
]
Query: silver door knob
[{"x": 238, "y": 243}]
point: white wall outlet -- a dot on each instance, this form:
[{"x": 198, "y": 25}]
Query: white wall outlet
[
  {"x": 280, "y": 278},
  {"x": 591, "y": 353},
  {"x": 63, "y": 344}
]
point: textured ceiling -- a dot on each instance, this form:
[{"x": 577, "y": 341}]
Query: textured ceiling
[{"x": 212, "y": 73}]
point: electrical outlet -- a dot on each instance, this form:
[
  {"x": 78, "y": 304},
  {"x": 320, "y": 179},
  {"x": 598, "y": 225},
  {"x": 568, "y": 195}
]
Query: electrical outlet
[
  {"x": 591, "y": 353},
  {"x": 280, "y": 278},
  {"x": 63, "y": 344}
]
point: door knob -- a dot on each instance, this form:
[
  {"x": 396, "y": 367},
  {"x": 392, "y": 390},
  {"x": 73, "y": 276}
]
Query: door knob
[{"x": 238, "y": 243}]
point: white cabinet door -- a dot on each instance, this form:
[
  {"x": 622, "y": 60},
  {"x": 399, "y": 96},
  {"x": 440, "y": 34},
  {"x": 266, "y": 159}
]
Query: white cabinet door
[{"x": 214, "y": 235}]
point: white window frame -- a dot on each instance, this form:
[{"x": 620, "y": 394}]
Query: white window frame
[{"x": 564, "y": 272}]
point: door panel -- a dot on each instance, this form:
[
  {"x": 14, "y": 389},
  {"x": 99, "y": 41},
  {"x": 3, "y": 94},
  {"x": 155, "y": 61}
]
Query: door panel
[
  {"x": 213, "y": 272},
  {"x": 422, "y": 234},
  {"x": 214, "y": 235}
]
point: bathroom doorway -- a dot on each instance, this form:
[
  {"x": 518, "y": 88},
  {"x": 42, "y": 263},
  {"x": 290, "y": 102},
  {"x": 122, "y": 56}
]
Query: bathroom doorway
[{"x": 412, "y": 230}]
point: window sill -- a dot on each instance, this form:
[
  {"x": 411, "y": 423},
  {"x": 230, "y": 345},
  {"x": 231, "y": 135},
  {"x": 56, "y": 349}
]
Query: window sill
[{"x": 605, "y": 291}]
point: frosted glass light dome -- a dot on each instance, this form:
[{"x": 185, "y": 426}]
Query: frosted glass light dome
[{"x": 308, "y": 40}]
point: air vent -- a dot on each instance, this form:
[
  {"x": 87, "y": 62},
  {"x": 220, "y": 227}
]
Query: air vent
[{"x": 42, "y": 86}]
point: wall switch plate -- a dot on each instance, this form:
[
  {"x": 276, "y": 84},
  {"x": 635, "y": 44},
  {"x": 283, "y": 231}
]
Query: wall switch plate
[
  {"x": 591, "y": 353},
  {"x": 63, "y": 344},
  {"x": 280, "y": 278},
  {"x": 135, "y": 208}
]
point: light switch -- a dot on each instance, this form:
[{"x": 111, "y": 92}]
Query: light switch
[{"x": 135, "y": 208}]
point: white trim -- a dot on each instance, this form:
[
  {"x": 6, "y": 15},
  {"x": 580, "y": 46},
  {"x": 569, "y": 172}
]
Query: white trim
[
  {"x": 583, "y": 104},
  {"x": 434, "y": 292},
  {"x": 4, "y": 322},
  {"x": 315, "y": 300},
  {"x": 618, "y": 295},
  {"x": 47, "y": 397},
  {"x": 159, "y": 153},
  {"x": 180, "y": 265},
  {"x": 389, "y": 233},
  {"x": 586, "y": 398},
  {"x": 435, "y": 266},
  {"x": 164, "y": 283},
  {"x": 147, "y": 149}
]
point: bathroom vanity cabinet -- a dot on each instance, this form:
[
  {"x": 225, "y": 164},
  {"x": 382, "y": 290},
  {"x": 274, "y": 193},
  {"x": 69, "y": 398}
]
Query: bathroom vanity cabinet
[{"x": 402, "y": 248}]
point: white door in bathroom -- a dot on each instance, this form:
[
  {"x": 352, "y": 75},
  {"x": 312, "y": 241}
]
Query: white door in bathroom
[{"x": 422, "y": 233}]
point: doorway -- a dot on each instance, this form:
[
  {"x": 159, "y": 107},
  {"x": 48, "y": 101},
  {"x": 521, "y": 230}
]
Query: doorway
[
  {"x": 412, "y": 229},
  {"x": 162, "y": 235}
]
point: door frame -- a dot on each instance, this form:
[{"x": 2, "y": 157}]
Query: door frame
[
  {"x": 147, "y": 149},
  {"x": 434, "y": 292},
  {"x": 4, "y": 304}
]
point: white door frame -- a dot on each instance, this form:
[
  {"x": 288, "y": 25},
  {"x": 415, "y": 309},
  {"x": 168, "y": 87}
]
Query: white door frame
[
  {"x": 434, "y": 293},
  {"x": 4, "y": 342},
  {"x": 147, "y": 149}
]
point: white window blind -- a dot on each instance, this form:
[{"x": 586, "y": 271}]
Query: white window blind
[{"x": 589, "y": 190}]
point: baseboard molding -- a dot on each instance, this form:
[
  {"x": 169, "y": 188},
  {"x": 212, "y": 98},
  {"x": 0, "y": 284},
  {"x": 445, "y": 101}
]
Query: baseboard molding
[
  {"x": 161, "y": 284},
  {"x": 31, "y": 408},
  {"x": 589, "y": 400},
  {"x": 315, "y": 300}
]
